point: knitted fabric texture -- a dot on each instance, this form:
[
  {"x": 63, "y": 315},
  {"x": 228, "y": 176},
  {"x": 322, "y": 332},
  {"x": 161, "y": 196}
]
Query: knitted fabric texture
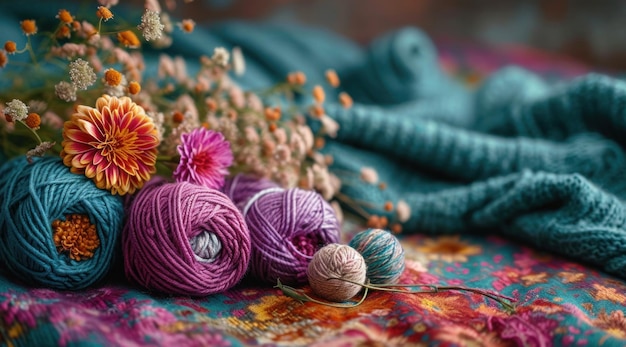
[{"x": 543, "y": 164}]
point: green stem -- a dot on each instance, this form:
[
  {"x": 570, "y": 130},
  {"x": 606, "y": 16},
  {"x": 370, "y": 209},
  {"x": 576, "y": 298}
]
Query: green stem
[
  {"x": 30, "y": 50},
  {"x": 303, "y": 297},
  {"x": 500, "y": 298},
  {"x": 32, "y": 131}
]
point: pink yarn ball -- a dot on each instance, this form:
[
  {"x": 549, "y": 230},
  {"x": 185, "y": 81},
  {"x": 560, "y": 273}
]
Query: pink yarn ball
[
  {"x": 187, "y": 239},
  {"x": 330, "y": 265}
]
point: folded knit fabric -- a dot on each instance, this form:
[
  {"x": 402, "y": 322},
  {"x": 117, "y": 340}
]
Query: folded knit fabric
[{"x": 540, "y": 164}]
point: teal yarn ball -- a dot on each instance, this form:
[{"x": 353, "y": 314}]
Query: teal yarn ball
[
  {"x": 383, "y": 255},
  {"x": 32, "y": 197}
]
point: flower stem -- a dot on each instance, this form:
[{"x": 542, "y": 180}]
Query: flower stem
[
  {"x": 503, "y": 300},
  {"x": 29, "y": 46},
  {"x": 303, "y": 297},
  {"x": 32, "y": 131}
]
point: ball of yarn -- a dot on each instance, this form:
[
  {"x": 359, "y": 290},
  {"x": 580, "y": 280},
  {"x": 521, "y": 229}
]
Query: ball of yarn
[
  {"x": 383, "y": 255},
  {"x": 287, "y": 227},
  {"x": 34, "y": 196},
  {"x": 241, "y": 187},
  {"x": 182, "y": 238},
  {"x": 336, "y": 261}
]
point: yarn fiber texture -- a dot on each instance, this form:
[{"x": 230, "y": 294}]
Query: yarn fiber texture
[
  {"x": 383, "y": 255},
  {"x": 33, "y": 196},
  {"x": 241, "y": 187},
  {"x": 336, "y": 261},
  {"x": 287, "y": 227},
  {"x": 184, "y": 239}
]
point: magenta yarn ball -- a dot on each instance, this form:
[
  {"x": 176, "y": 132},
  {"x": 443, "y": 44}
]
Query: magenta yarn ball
[
  {"x": 181, "y": 238},
  {"x": 287, "y": 227}
]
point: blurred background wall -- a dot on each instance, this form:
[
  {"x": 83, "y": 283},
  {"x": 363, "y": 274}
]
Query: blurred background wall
[{"x": 591, "y": 31}]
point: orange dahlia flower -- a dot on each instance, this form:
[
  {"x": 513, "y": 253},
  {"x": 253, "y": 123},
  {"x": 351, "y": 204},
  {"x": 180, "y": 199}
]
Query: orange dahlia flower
[{"x": 114, "y": 144}]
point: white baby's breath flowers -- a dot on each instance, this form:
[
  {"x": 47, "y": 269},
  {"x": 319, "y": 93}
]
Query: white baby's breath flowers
[
  {"x": 65, "y": 91},
  {"x": 16, "y": 109},
  {"x": 151, "y": 26},
  {"x": 82, "y": 74},
  {"x": 403, "y": 211},
  {"x": 239, "y": 63},
  {"x": 220, "y": 56},
  {"x": 369, "y": 175},
  {"x": 329, "y": 126}
]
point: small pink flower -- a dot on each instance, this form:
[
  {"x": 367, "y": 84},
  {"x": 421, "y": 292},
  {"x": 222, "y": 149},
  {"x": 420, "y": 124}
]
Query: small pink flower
[{"x": 205, "y": 156}]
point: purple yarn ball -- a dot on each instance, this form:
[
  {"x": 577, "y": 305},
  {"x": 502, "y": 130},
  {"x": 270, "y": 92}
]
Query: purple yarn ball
[
  {"x": 187, "y": 239},
  {"x": 287, "y": 227},
  {"x": 241, "y": 187}
]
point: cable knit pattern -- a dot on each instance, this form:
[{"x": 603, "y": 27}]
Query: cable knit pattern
[{"x": 538, "y": 162}]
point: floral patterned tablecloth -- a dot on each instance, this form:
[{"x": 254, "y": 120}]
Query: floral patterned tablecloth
[{"x": 559, "y": 302}]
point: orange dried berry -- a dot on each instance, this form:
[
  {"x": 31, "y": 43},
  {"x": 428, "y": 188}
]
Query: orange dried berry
[
  {"x": 317, "y": 111},
  {"x": 65, "y": 16},
  {"x": 332, "y": 78},
  {"x": 373, "y": 221},
  {"x": 33, "y": 120},
  {"x": 211, "y": 104},
  {"x": 10, "y": 47},
  {"x": 178, "y": 117},
  {"x": 318, "y": 94},
  {"x": 63, "y": 32},
  {"x": 134, "y": 87},
  {"x": 112, "y": 77},
  {"x": 29, "y": 26},
  {"x": 319, "y": 142},
  {"x": 291, "y": 78},
  {"x": 388, "y": 206},
  {"x": 396, "y": 228},
  {"x": 272, "y": 114},
  {"x": 76, "y": 25},
  {"x": 128, "y": 39},
  {"x": 206, "y": 125},
  {"x": 384, "y": 222},
  {"x": 300, "y": 78},
  {"x": 296, "y": 78},
  {"x": 3, "y": 59},
  {"x": 345, "y": 100},
  {"x": 272, "y": 127},
  {"x": 104, "y": 13},
  {"x": 76, "y": 236},
  {"x": 187, "y": 25}
]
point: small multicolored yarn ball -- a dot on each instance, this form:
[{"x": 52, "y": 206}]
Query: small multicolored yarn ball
[
  {"x": 336, "y": 261},
  {"x": 57, "y": 229},
  {"x": 187, "y": 239},
  {"x": 383, "y": 255}
]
